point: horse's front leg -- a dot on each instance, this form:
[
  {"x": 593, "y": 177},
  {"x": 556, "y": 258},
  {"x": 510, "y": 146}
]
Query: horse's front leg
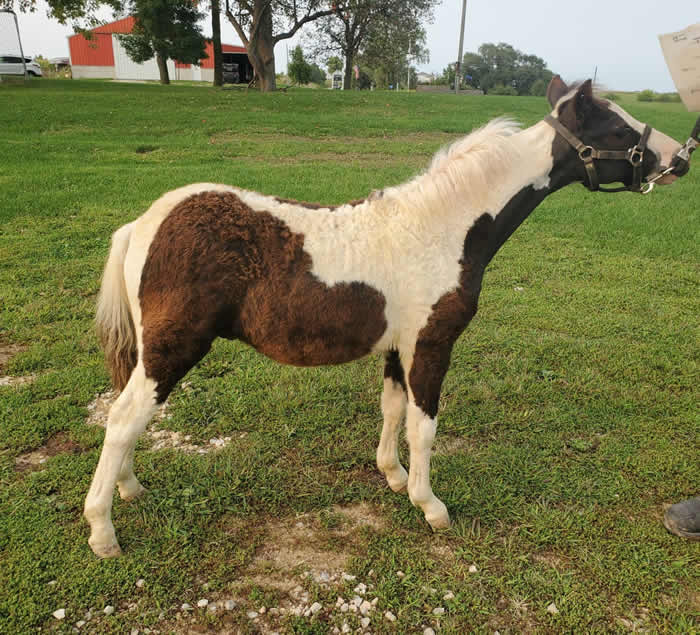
[
  {"x": 428, "y": 368},
  {"x": 393, "y": 411}
]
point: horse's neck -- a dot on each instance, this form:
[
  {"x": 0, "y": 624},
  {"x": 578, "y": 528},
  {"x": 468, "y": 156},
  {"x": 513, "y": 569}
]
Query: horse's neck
[{"x": 449, "y": 200}]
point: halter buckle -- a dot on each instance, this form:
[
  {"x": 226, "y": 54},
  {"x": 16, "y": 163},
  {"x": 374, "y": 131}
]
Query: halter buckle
[
  {"x": 646, "y": 188},
  {"x": 636, "y": 156},
  {"x": 586, "y": 153}
]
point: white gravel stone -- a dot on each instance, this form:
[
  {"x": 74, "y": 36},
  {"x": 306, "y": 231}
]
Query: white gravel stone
[
  {"x": 371, "y": 573},
  {"x": 134, "y": 631},
  {"x": 448, "y": 596},
  {"x": 340, "y": 601},
  {"x": 202, "y": 603},
  {"x": 400, "y": 574},
  {"x": 186, "y": 607},
  {"x": 315, "y": 608},
  {"x": 438, "y": 610},
  {"x": 229, "y": 605},
  {"x": 80, "y": 623},
  {"x": 52, "y": 582},
  {"x": 108, "y": 610},
  {"x": 390, "y": 616},
  {"x": 274, "y": 611},
  {"x": 323, "y": 576},
  {"x": 345, "y": 628},
  {"x": 345, "y": 607},
  {"x": 361, "y": 588},
  {"x": 252, "y": 615},
  {"x": 59, "y": 614},
  {"x": 212, "y": 608},
  {"x": 552, "y": 608},
  {"x": 140, "y": 582},
  {"x": 365, "y": 607},
  {"x": 357, "y": 600},
  {"x": 262, "y": 610},
  {"x": 518, "y": 289},
  {"x": 472, "y": 568},
  {"x": 428, "y": 631},
  {"x": 374, "y": 602},
  {"x": 365, "y": 622},
  {"x": 348, "y": 578}
]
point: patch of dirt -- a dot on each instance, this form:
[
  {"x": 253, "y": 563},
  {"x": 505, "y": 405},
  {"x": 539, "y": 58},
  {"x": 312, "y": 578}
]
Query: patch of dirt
[
  {"x": 637, "y": 622},
  {"x": 8, "y": 351},
  {"x": 59, "y": 443},
  {"x": 449, "y": 446},
  {"x": 298, "y": 543},
  {"x": 161, "y": 439},
  {"x": 552, "y": 560},
  {"x": 6, "y": 380}
]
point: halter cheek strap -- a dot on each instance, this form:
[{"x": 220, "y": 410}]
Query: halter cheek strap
[{"x": 587, "y": 154}]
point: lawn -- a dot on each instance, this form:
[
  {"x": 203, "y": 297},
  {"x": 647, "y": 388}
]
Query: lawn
[{"x": 568, "y": 419}]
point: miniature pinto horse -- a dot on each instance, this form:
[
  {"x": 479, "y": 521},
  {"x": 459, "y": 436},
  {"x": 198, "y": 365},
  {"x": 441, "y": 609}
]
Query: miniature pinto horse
[{"x": 307, "y": 285}]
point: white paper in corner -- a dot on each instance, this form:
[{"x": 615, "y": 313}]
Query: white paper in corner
[{"x": 682, "y": 53}]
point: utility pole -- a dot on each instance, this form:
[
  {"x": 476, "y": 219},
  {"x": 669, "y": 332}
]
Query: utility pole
[{"x": 458, "y": 66}]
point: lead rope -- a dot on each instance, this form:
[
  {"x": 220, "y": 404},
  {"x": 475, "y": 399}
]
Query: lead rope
[{"x": 680, "y": 159}]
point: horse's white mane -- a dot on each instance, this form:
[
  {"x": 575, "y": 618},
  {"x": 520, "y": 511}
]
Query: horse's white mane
[{"x": 473, "y": 164}]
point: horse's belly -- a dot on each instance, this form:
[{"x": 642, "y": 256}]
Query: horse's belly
[{"x": 306, "y": 323}]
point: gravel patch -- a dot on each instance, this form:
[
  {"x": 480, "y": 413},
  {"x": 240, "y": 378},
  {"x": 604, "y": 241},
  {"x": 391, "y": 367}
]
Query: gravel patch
[{"x": 161, "y": 439}]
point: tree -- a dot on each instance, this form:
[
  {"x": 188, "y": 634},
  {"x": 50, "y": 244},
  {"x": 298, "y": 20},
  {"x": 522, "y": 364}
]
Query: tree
[
  {"x": 216, "y": 42},
  {"x": 348, "y": 30},
  {"x": 334, "y": 63},
  {"x": 166, "y": 29},
  {"x": 503, "y": 65},
  {"x": 262, "y": 23},
  {"x": 318, "y": 75},
  {"x": 299, "y": 70}
]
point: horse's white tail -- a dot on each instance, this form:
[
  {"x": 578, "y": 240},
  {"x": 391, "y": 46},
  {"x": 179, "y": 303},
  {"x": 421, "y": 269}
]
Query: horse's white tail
[{"x": 115, "y": 326}]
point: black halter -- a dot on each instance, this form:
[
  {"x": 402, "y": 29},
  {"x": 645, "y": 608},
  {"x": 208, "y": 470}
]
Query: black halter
[{"x": 634, "y": 155}]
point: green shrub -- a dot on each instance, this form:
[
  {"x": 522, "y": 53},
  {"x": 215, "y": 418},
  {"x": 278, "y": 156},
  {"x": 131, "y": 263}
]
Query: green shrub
[
  {"x": 668, "y": 97},
  {"x": 611, "y": 96},
  {"x": 646, "y": 95},
  {"x": 538, "y": 88},
  {"x": 500, "y": 89}
]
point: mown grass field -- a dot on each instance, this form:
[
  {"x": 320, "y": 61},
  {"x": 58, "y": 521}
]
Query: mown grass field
[{"x": 568, "y": 419}]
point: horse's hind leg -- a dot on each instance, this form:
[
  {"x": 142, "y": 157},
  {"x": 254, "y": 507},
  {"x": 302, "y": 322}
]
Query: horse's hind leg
[
  {"x": 127, "y": 419},
  {"x": 393, "y": 410},
  {"x": 127, "y": 483}
]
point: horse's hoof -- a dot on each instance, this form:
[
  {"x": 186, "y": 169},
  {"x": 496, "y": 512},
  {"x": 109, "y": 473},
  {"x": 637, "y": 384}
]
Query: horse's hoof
[
  {"x": 107, "y": 551},
  {"x": 438, "y": 517},
  {"x": 398, "y": 481},
  {"x": 129, "y": 495}
]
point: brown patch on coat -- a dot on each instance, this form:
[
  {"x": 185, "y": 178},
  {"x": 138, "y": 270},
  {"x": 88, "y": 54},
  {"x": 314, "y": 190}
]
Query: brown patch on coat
[
  {"x": 216, "y": 268},
  {"x": 393, "y": 368},
  {"x": 59, "y": 443}
]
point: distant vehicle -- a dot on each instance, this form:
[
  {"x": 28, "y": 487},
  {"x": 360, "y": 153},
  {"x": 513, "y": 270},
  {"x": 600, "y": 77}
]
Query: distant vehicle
[
  {"x": 12, "y": 65},
  {"x": 231, "y": 73}
]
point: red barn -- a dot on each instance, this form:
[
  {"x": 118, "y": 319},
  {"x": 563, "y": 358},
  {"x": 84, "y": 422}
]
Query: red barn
[{"x": 103, "y": 56}]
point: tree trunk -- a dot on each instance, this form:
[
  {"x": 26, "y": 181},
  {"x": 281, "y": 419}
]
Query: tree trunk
[
  {"x": 347, "y": 77},
  {"x": 163, "y": 68},
  {"x": 216, "y": 42},
  {"x": 261, "y": 50}
]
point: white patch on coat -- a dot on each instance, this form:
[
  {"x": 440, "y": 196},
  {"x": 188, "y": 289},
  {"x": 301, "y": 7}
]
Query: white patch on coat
[{"x": 663, "y": 146}]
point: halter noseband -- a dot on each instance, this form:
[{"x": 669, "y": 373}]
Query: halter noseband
[{"x": 634, "y": 155}]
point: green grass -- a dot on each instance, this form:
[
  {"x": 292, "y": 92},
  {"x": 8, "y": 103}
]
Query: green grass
[{"x": 568, "y": 418}]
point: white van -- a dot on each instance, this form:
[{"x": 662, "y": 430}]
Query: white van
[{"x": 12, "y": 65}]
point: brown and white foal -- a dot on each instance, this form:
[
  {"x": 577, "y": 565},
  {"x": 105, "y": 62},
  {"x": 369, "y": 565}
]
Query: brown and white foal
[{"x": 398, "y": 273}]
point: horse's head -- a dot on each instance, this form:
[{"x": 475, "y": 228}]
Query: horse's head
[{"x": 602, "y": 143}]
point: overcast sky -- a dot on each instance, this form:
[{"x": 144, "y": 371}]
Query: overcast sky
[{"x": 618, "y": 36}]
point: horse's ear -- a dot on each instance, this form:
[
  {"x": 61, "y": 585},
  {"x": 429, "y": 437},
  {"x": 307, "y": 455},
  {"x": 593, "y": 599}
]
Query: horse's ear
[
  {"x": 584, "y": 94},
  {"x": 556, "y": 90}
]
